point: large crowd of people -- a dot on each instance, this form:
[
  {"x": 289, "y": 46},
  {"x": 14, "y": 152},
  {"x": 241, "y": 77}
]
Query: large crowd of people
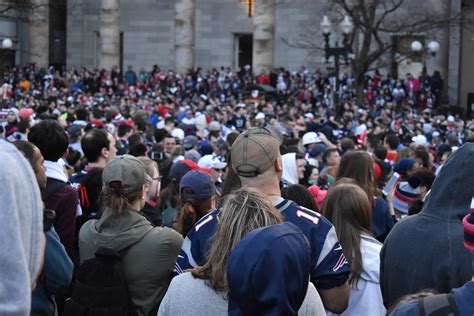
[{"x": 222, "y": 192}]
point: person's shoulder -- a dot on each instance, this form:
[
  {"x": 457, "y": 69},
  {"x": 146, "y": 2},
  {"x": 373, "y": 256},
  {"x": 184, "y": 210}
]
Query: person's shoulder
[
  {"x": 86, "y": 229},
  {"x": 77, "y": 177},
  {"x": 165, "y": 235},
  {"x": 379, "y": 201},
  {"x": 302, "y": 216},
  {"x": 185, "y": 280},
  {"x": 186, "y": 285},
  {"x": 67, "y": 191},
  {"x": 370, "y": 242},
  {"x": 206, "y": 300},
  {"x": 405, "y": 233},
  {"x": 206, "y": 225},
  {"x": 406, "y": 224},
  {"x": 380, "y": 206}
]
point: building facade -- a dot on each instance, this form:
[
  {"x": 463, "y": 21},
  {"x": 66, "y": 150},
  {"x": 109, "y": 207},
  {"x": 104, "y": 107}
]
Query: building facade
[{"x": 183, "y": 34}]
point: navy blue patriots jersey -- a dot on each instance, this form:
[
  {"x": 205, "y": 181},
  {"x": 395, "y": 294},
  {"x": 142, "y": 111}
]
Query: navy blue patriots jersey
[{"x": 329, "y": 266}]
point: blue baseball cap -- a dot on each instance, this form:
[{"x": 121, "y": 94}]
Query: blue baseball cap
[
  {"x": 201, "y": 184},
  {"x": 403, "y": 165},
  {"x": 268, "y": 272},
  {"x": 317, "y": 150}
]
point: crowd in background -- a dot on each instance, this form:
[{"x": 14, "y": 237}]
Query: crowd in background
[{"x": 144, "y": 163}]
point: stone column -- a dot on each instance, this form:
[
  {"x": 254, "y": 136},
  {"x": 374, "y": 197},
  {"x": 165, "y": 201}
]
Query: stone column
[
  {"x": 184, "y": 35},
  {"x": 263, "y": 36},
  {"x": 109, "y": 32},
  {"x": 38, "y": 34}
]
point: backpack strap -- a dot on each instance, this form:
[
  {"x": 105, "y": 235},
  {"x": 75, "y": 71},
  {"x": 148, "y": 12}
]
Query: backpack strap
[
  {"x": 438, "y": 305},
  {"x": 52, "y": 187}
]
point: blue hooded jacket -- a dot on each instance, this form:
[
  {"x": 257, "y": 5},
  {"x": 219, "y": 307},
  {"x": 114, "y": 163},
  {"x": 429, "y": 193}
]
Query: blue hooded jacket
[
  {"x": 57, "y": 274},
  {"x": 425, "y": 251},
  {"x": 462, "y": 299},
  {"x": 268, "y": 272}
]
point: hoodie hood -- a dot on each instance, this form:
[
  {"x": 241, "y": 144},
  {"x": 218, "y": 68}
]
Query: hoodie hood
[
  {"x": 290, "y": 172},
  {"x": 21, "y": 230},
  {"x": 452, "y": 191},
  {"x": 370, "y": 249},
  {"x": 119, "y": 232},
  {"x": 268, "y": 272}
]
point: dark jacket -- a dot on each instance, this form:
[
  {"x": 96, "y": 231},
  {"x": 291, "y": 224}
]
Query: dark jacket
[
  {"x": 425, "y": 251},
  {"x": 382, "y": 221},
  {"x": 64, "y": 202},
  {"x": 153, "y": 214}
]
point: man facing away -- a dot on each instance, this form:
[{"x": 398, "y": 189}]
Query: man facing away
[{"x": 52, "y": 141}]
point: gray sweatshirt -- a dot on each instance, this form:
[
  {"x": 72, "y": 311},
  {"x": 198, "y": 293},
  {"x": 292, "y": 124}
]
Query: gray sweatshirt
[
  {"x": 21, "y": 231},
  {"x": 190, "y": 296}
]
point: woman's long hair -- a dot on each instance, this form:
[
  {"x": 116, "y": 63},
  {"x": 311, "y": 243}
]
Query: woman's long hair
[
  {"x": 301, "y": 195},
  {"x": 359, "y": 166},
  {"x": 243, "y": 211},
  {"x": 349, "y": 209}
]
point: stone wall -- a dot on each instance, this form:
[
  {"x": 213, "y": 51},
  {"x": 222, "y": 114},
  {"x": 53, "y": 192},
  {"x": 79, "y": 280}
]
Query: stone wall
[
  {"x": 216, "y": 24},
  {"x": 82, "y": 30},
  {"x": 148, "y": 32},
  {"x": 148, "y": 28},
  {"x": 295, "y": 22}
]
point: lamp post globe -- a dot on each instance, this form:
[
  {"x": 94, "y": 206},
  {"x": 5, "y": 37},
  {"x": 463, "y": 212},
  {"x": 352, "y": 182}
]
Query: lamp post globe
[
  {"x": 346, "y": 25},
  {"x": 433, "y": 47},
  {"x": 326, "y": 25},
  {"x": 416, "y": 46},
  {"x": 7, "y": 43}
]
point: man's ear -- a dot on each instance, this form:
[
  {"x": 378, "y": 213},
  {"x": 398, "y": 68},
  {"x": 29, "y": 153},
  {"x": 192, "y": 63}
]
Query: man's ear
[
  {"x": 278, "y": 165},
  {"x": 104, "y": 152}
]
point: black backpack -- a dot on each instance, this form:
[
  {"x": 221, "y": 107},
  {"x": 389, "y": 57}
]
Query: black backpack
[{"x": 100, "y": 287}]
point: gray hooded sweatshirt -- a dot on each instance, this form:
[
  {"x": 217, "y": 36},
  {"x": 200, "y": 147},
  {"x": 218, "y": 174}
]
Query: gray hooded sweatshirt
[
  {"x": 150, "y": 253},
  {"x": 21, "y": 228},
  {"x": 425, "y": 251}
]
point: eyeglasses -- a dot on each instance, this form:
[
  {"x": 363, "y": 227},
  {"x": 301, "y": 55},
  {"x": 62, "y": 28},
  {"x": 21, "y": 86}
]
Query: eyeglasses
[{"x": 157, "y": 178}]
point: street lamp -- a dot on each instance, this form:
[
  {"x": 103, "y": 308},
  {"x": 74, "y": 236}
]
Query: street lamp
[
  {"x": 432, "y": 48},
  {"x": 336, "y": 52},
  {"x": 7, "y": 43}
]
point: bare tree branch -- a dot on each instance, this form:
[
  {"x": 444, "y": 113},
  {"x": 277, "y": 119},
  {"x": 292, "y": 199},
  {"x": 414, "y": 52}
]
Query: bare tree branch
[{"x": 376, "y": 22}]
